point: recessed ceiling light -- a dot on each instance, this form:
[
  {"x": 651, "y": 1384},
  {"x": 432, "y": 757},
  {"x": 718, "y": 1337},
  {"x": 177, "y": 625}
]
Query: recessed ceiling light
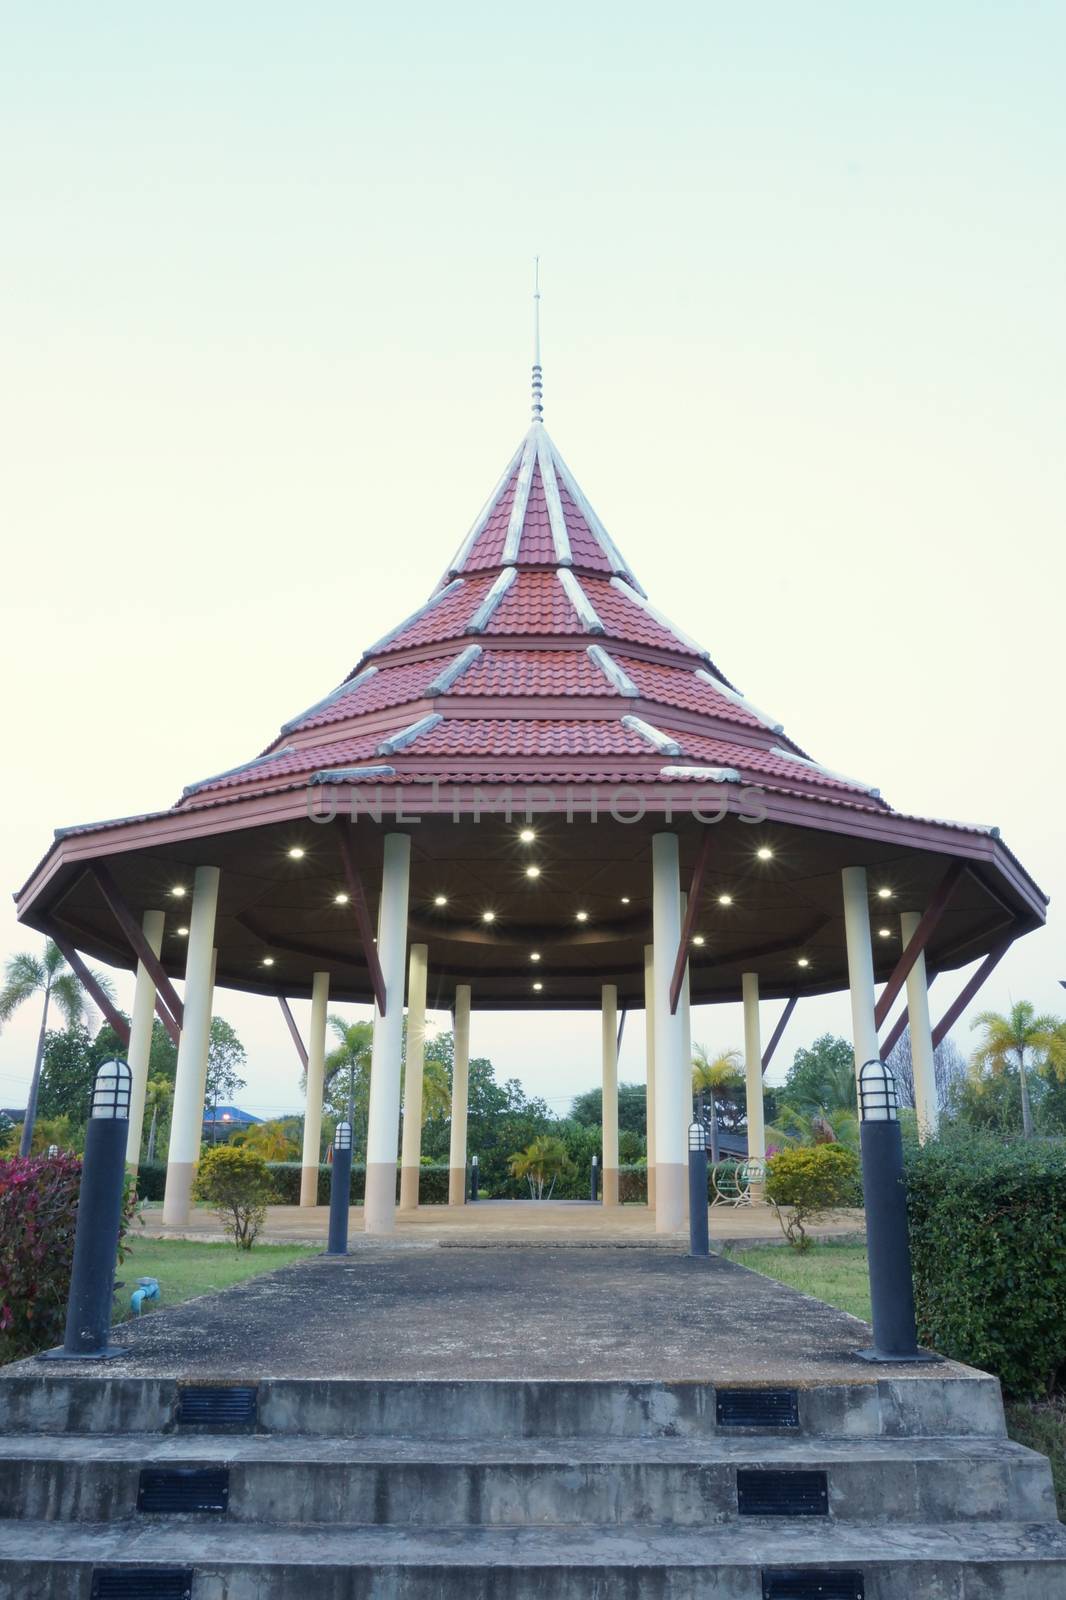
[
  {"x": 582, "y": 916},
  {"x": 179, "y": 891},
  {"x": 268, "y": 961},
  {"x": 297, "y": 853},
  {"x": 625, "y": 899},
  {"x": 527, "y": 836},
  {"x": 764, "y": 853},
  {"x": 725, "y": 899},
  {"x": 534, "y": 955},
  {"x": 488, "y": 916},
  {"x": 340, "y": 899},
  {"x": 884, "y": 894},
  {"x": 538, "y": 986},
  {"x": 182, "y": 932},
  {"x": 532, "y": 872},
  {"x": 803, "y": 962},
  {"x": 440, "y": 899},
  {"x": 886, "y": 933},
  {"x": 697, "y": 938}
]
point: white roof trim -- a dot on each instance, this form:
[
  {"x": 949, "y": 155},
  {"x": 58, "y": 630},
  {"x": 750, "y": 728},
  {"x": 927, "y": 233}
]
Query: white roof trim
[
  {"x": 453, "y": 671},
  {"x": 339, "y": 693},
  {"x": 611, "y": 670},
  {"x": 655, "y": 736},
  {"x": 738, "y": 699},
  {"x": 560, "y": 535},
  {"x": 599, "y": 532},
  {"x": 639, "y": 598},
  {"x": 343, "y": 774},
  {"x": 408, "y": 735},
  {"x": 586, "y": 611},
  {"x": 703, "y": 774},
  {"x": 483, "y": 615},
  {"x": 245, "y": 766},
  {"x": 816, "y": 766},
  {"x": 433, "y": 601},
  {"x": 459, "y": 559},
  {"x": 517, "y": 518}
]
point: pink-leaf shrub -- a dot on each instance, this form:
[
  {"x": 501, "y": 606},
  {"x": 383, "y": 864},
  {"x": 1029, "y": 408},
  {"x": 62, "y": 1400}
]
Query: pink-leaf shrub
[{"x": 38, "y": 1212}]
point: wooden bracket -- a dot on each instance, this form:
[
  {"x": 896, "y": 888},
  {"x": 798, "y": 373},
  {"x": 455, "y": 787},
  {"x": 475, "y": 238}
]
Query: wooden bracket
[
  {"x": 691, "y": 913},
  {"x": 775, "y": 1037},
  {"x": 362, "y": 915},
  {"x": 895, "y": 1033},
  {"x": 88, "y": 981},
  {"x": 168, "y": 1021},
  {"x": 918, "y": 941},
  {"x": 966, "y": 994},
  {"x": 301, "y": 1048},
  {"x": 101, "y": 876}
]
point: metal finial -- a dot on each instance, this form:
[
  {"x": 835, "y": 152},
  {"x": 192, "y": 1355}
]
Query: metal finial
[{"x": 538, "y": 382}]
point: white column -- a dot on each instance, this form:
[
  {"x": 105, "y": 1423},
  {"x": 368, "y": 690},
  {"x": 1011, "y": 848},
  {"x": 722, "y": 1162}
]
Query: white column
[
  {"x": 460, "y": 1081},
  {"x": 187, "y": 1117},
  {"x": 649, "y": 1059},
  {"x": 860, "y": 966},
  {"x": 749, "y": 988},
  {"x": 383, "y": 1122},
  {"x": 609, "y": 1060},
  {"x": 671, "y": 1148},
  {"x": 316, "y": 1074},
  {"x": 684, "y": 1010},
  {"x": 922, "y": 1063},
  {"x": 414, "y": 1063},
  {"x": 141, "y": 1035}
]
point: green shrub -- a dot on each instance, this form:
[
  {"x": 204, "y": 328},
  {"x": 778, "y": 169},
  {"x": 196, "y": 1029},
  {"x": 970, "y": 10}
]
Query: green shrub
[
  {"x": 237, "y": 1184},
  {"x": 988, "y": 1240},
  {"x": 810, "y": 1180},
  {"x": 38, "y": 1212},
  {"x": 151, "y": 1180},
  {"x": 285, "y": 1183}
]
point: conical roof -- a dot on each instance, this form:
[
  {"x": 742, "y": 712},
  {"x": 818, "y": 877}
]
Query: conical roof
[{"x": 537, "y": 659}]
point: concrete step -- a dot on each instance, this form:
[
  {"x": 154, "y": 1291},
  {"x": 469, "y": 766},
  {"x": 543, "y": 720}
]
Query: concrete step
[
  {"x": 916, "y": 1403},
  {"x": 615, "y": 1482},
  {"x": 963, "y": 1561}
]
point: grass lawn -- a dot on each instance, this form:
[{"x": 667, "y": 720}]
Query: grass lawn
[
  {"x": 836, "y": 1273},
  {"x": 186, "y": 1268}
]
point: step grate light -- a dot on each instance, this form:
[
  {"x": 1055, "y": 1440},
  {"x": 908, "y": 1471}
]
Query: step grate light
[
  {"x": 757, "y": 1408},
  {"x": 763, "y": 1492},
  {"x": 177, "y": 1491},
  {"x": 217, "y": 1406},
  {"x": 141, "y": 1583},
  {"x": 809, "y": 1583}
]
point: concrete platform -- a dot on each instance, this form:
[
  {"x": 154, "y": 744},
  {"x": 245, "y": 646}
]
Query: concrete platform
[{"x": 556, "y": 1222}]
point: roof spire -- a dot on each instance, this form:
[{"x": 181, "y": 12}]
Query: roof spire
[{"x": 538, "y": 385}]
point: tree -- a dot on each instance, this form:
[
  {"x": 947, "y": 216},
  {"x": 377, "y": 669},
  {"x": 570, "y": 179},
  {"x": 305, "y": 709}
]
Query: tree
[
  {"x": 225, "y": 1056},
  {"x": 49, "y": 976},
  {"x": 632, "y": 1108},
  {"x": 716, "y": 1077},
  {"x": 272, "y": 1141},
  {"x": 948, "y": 1068},
  {"x": 68, "y": 1072},
  {"x": 821, "y": 1079},
  {"x": 1021, "y": 1040},
  {"x": 158, "y": 1100},
  {"x": 347, "y": 1075},
  {"x": 542, "y": 1163}
]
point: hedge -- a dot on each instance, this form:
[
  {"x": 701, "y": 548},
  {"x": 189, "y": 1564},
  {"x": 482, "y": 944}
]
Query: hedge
[
  {"x": 988, "y": 1239},
  {"x": 285, "y": 1179}
]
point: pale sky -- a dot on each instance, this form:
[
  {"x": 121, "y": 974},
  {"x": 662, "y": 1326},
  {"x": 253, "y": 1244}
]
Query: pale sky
[{"x": 264, "y": 299}]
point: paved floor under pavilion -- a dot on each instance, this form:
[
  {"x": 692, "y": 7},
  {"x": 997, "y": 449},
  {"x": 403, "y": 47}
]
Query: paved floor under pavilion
[{"x": 514, "y": 1222}]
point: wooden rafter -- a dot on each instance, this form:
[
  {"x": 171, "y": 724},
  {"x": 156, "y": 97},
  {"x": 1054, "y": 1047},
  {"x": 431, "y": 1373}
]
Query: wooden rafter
[
  {"x": 362, "y": 916},
  {"x": 88, "y": 981},
  {"x": 101, "y": 876},
  {"x": 692, "y": 909},
  {"x": 966, "y": 994},
  {"x": 782, "y": 1024},
  {"x": 167, "y": 1020},
  {"x": 301, "y": 1048},
  {"x": 918, "y": 941},
  {"x": 895, "y": 1033}
]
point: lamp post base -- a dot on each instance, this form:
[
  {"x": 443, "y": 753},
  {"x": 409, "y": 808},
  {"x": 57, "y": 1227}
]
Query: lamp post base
[
  {"x": 109, "y": 1353},
  {"x": 880, "y": 1358}
]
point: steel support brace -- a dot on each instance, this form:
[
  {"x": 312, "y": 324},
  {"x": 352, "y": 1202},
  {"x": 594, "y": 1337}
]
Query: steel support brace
[
  {"x": 122, "y": 914},
  {"x": 362, "y": 916},
  {"x": 301, "y": 1048},
  {"x": 88, "y": 981},
  {"x": 775, "y": 1037},
  {"x": 959, "y": 1004},
  {"x": 918, "y": 941},
  {"x": 691, "y": 913}
]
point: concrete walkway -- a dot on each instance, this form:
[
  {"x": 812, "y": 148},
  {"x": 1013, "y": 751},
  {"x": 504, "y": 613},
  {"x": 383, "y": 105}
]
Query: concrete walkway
[{"x": 512, "y": 1222}]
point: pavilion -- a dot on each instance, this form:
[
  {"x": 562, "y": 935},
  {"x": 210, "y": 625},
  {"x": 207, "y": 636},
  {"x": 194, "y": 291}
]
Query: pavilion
[{"x": 533, "y": 793}]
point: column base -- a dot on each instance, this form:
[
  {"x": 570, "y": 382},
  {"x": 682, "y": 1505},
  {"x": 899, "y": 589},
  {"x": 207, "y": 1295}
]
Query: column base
[
  {"x": 457, "y": 1186},
  {"x": 610, "y": 1186},
  {"x": 309, "y": 1186},
  {"x": 409, "y": 1188},
  {"x": 177, "y": 1197},
  {"x": 671, "y": 1198},
  {"x": 379, "y": 1201}
]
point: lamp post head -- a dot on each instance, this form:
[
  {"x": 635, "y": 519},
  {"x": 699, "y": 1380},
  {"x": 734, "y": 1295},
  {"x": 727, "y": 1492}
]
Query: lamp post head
[
  {"x": 697, "y": 1136},
  {"x": 112, "y": 1090},
  {"x": 342, "y": 1136},
  {"x": 878, "y": 1099}
]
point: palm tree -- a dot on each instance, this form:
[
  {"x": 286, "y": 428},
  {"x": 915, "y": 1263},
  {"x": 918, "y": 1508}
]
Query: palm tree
[
  {"x": 547, "y": 1157},
  {"x": 351, "y": 1055},
  {"x": 1021, "y": 1039},
  {"x": 26, "y": 975},
  {"x": 159, "y": 1092},
  {"x": 713, "y": 1075}
]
